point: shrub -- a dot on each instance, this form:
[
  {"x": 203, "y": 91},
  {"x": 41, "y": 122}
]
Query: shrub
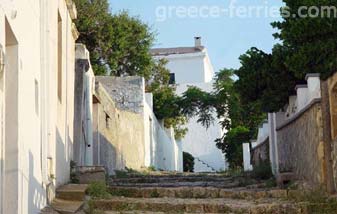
[
  {"x": 188, "y": 161},
  {"x": 262, "y": 171},
  {"x": 98, "y": 190}
]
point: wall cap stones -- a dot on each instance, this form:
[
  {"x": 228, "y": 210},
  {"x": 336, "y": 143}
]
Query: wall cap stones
[
  {"x": 301, "y": 86},
  {"x": 312, "y": 75}
]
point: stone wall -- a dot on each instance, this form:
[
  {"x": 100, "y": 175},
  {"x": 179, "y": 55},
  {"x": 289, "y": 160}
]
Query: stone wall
[
  {"x": 127, "y": 92},
  {"x": 300, "y": 144},
  {"x": 260, "y": 153},
  {"x": 329, "y": 93}
]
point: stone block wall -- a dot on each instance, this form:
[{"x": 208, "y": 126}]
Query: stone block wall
[
  {"x": 260, "y": 153},
  {"x": 300, "y": 144}
]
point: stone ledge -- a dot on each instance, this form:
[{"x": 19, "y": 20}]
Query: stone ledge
[
  {"x": 72, "y": 9},
  {"x": 312, "y": 75},
  {"x": 298, "y": 114}
]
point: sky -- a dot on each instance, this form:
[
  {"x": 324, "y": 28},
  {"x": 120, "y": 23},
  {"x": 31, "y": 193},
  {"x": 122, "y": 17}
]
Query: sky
[{"x": 228, "y": 27}]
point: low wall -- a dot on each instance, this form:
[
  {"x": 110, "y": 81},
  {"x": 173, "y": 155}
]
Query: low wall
[
  {"x": 163, "y": 151},
  {"x": 300, "y": 144}
]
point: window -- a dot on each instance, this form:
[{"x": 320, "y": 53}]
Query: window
[
  {"x": 59, "y": 58},
  {"x": 107, "y": 121},
  {"x": 172, "y": 78}
]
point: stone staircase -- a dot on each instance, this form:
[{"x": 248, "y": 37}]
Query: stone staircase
[
  {"x": 69, "y": 200},
  {"x": 194, "y": 193}
]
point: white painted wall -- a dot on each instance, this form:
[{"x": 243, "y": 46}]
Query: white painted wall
[
  {"x": 43, "y": 139},
  {"x": 314, "y": 86},
  {"x": 247, "y": 166},
  {"x": 190, "y": 68},
  {"x": 161, "y": 149},
  {"x": 263, "y": 133},
  {"x": 302, "y": 96},
  {"x": 199, "y": 141}
]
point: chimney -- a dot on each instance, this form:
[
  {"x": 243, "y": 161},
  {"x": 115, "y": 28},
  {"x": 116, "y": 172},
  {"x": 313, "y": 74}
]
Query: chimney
[{"x": 197, "y": 41}]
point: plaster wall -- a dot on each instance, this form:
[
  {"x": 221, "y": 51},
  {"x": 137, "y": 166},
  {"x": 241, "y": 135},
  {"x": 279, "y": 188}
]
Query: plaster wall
[
  {"x": 247, "y": 166},
  {"x": 162, "y": 151},
  {"x": 199, "y": 141},
  {"x": 126, "y": 130},
  {"x": 302, "y": 97},
  {"x": 190, "y": 68},
  {"x": 314, "y": 87},
  {"x": 118, "y": 134},
  {"x": 85, "y": 86},
  {"x": 40, "y": 138}
]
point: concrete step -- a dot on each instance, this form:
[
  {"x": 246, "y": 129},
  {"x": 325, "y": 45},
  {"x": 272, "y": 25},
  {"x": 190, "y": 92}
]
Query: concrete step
[
  {"x": 72, "y": 192},
  {"x": 196, "y": 192},
  {"x": 174, "y": 205},
  {"x": 66, "y": 206}
]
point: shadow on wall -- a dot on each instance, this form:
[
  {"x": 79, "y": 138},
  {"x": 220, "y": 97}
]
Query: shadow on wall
[
  {"x": 110, "y": 156},
  {"x": 36, "y": 194},
  {"x": 62, "y": 162}
]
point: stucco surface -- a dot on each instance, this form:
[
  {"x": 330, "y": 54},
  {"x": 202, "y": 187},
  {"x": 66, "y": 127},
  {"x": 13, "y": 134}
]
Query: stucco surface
[
  {"x": 128, "y": 134},
  {"x": 44, "y": 126},
  {"x": 199, "y": 141},
  {"x": 119, "y": 135}
]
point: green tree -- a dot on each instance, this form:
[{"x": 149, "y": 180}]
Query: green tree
[
  {"x": 312, "y": 40},
  {"x": 119, "y": 44}
]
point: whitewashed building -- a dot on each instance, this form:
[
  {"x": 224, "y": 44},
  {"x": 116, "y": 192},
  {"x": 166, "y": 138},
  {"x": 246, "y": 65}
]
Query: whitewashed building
[
  {"x": 37, "y": 46},
  {"x": 191, "y": 66}
]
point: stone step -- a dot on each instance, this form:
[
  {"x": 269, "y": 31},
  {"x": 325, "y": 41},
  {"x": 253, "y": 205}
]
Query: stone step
[
  {"x": 171, "y": 179},
  {"x": 196, "y": 192},
  {"x": 72, "y": 192},
  {"x": 171, "y": 174},
  {"x": 174, "y": 205},
  {"x": 132, "y": 212},
  {"x": 66, "y": 206},
  {"x": 181, "y": 184},
  {"x": 89, "y": 174},
  {"x": 48, "y": 210}
]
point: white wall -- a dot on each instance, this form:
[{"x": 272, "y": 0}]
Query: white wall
[
  {"x": 161, "y": 149},
  {"x": 190, "y": 68},
  {"x": 263, "y": 133},
  {"x": 247, "y": 166},
  {"x": 34, "y": 26},
  {"x": 199, "y": 141}
]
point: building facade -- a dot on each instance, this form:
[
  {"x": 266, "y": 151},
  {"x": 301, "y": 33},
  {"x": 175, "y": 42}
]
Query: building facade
[
  {"x": 191, "y": 66},
  {"x": 36, "y": 107}
]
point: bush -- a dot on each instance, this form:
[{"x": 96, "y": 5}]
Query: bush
[
  {"x": 188, "y": 161},
  {"x": 262, "y": 171},
  {"x": 98, "y": 190}
]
